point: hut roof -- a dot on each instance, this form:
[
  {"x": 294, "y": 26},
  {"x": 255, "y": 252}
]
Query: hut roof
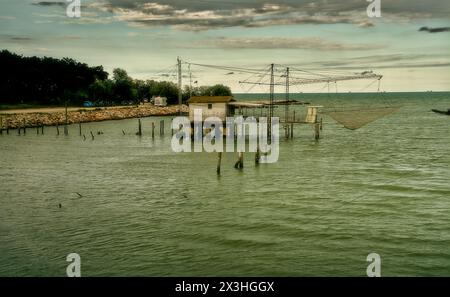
[{"x": 211, "y": 99}]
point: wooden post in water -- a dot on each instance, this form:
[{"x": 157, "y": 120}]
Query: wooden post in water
[
  {"x": 161, "y": 127},
  {"x": 257, "y": 156},
  {"x": 240, "y": 162},
  {"x": 57, "y": 129},
  {"x": 42, "y": 129},
  {"x": 7, "y": 127},
  {"x": 219, "y": 161},
  {"x": 294, "y": 116},
  {"x": 79, "y": 127},
  {"x": 153, "y": 130},
  {"x": 292, "y": 130},
  {"x": 317, "y": 131},
  {"x": 1, "y": 125},
  {"x": 92, "y": 135},
  {"x": 37, "y": 130},
  {"x": 321, "y": 124},
  {"x": 24, "y": 127},
  {"x": 139, "y": 128}
]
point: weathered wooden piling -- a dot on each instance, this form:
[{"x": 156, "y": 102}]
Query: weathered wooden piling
[
  {"x": 42, "y": 129},
  {"x": 161, "y": 127},
  {"x": 123, "y": 132},
  {"x": 219, "y": 162},
  {"x": 240, "y": 162},
  {"x": 257, "y": 156},
  {"x": 57, "y": 129},
  {"x": 1, "y": 125},
  {"x": 24, "y": 127},
  {"x": 92, "y": 135},
  {"x": 153, "y": 130},
  {"x": 321, "y": 124},
  {"x": 292, "y": 130},
  {"x": 79, "y": 127},
  {"x": 294, "y": 117},
  {"x": 139, "y": 128},
  {"x": 317, "y": 131}
]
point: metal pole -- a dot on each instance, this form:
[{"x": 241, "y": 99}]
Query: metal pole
[
  {"x": 180, "y": 82},
  {"x": 190, "y": 81},
  {"x": 272, "y": 91},
  {"x": 286, "y": 109}
]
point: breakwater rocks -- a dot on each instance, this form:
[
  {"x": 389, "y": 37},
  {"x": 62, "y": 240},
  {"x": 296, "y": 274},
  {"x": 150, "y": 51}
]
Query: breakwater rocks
[{"x": 47, "y": 117}]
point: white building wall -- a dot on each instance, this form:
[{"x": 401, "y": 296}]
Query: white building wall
[{"x": 218, "y": 110}]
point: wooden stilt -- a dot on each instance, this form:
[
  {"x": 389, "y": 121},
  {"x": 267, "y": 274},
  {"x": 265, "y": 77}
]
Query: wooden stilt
[
  {"x": 84, "y": 137},
  {"x": 240, "y": 162},
  {"x": 219, "y": 161},
  {"x": 57, "y": 129},
  {"x": 292, "y": 130},
  {"x": 321, "y": 124},
  {"x": 42, "y": 129},
  {"x": 139, "y": 128},
  {"x": 317, "y": 131},
  {"x": 79, "y": 127},
  {"x": 153, "y": 130},
  {"x": 24, "y": 127},
  {"x": 294, "y": 116},
  {"x": 257, "y": 156},
  {"x": 92, "y": 135}
]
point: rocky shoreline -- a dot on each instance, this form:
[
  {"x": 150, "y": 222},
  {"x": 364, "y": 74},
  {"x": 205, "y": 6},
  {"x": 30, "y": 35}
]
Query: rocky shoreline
[{"x": 84, "y": 115}]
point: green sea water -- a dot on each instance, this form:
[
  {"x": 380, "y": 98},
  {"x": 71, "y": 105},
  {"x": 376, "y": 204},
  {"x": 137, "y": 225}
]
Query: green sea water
[{"x": 147, "y": 211}]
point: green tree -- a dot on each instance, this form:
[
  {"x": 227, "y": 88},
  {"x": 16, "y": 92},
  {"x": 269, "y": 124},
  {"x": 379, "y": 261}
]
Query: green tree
[{"x": 123, "y": 88}]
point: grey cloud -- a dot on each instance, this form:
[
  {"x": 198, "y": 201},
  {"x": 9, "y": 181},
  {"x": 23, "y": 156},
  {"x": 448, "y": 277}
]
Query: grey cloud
[
  {"x": 210, "y": 14},
  {"x": 287, "y": 43},
  {"x": 388, "y": 61}
]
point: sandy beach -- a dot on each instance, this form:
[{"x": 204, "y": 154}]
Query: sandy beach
[{"x": 56, "y": 116}]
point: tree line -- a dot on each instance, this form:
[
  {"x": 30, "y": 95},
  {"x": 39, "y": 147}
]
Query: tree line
[{"x": 50, "y": 81}]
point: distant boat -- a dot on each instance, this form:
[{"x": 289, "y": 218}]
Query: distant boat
[{"x": 441, "y": 111}]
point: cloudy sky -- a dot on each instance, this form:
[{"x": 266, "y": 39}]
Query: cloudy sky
[{"x": 409, "y": 44}]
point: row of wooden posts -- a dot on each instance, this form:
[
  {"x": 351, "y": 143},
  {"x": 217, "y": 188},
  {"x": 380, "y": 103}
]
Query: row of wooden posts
[
  {"x": 40, "y": 129},
  {"x": 161, "y": 128},
  {"x": 289, "y": 133}
]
